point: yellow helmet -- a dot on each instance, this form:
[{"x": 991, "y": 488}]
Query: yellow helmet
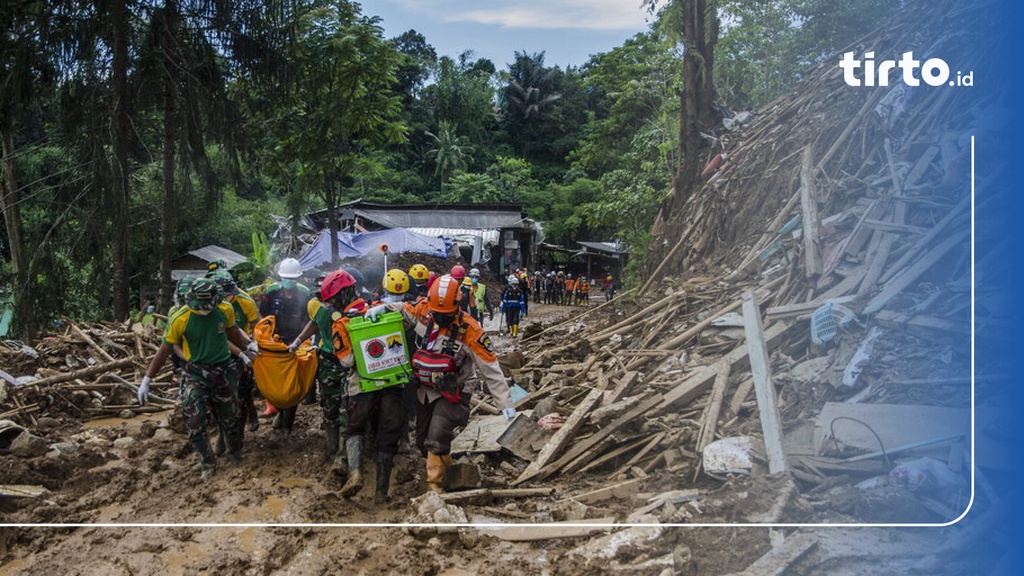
[
  {"x": 396, "y": 281},
  {"x": 419, "y": 272}
]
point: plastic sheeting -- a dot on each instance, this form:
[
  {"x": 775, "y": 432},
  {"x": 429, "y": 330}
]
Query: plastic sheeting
[{"x": 398, "y": 240}]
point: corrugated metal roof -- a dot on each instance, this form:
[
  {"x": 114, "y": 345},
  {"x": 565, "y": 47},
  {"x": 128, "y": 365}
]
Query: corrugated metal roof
[
  {"x": 214, "y": 252},
  {"x": 490, "y": 237},
  {"x": 437, "y": 215},
  {"x": 610, "y": 247}
]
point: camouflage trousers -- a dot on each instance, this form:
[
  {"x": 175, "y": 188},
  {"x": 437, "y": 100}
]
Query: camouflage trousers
[
  {"x": 211, "y": 388},
  {"x": 332, "y": 378}
]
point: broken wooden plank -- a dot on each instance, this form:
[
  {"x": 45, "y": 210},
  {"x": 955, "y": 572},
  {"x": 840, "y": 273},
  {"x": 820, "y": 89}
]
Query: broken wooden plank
[
  {"x": 639, "y": 455},
  {"x": 623, "y": 388},
  {"x": 632, "y": 445},
  {"x": 82, "y": 373},
  {"x": 811, "y": 223},
  {"x": 549, "y": 531},
  {"x": 911, "y": 274},
  {"x": 489, "y": 494},
  {"x": 800, "y": 309},
  {"x": 558, "y": 442},
  {"x": 619, "y": 491},
  {"x": 771, "y": 421},
  {"x": 91, "y": 343},
  {"x": 778, "y": 560},
  {"x": 707, "y": 433},
  {"x": 693, "y": 386}
]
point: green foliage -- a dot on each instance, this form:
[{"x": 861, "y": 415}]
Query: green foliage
[
  {"x": 767, "y": 45},
  {"x": 300, "y": 104}
]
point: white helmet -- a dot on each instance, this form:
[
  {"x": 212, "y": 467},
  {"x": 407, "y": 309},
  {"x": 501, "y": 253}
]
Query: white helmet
[
  {"x": 289, "y": 268},
  {"x": 474, "y": 273},
  {"x": 512, "y": 280}
]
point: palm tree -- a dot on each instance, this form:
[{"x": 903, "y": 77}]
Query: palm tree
[{"x": 450, "y": 151}]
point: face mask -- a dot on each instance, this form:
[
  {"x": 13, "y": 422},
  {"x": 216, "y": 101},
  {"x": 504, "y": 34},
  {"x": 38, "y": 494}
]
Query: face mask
[
  {"x": 392, "y": 298},
  {"x": 288, "y": 284},
  {"x": 444, "y": 320},
  {"x": 475, "y": 281}
]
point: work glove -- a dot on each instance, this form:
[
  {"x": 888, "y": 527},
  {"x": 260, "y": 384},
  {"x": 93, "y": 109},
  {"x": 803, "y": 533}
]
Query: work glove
[
  {"x": 143, "y": 391},
  {"x": 293, "y": 347},
  {"x": 252, "y": 349},
  {"x": 374, "y": 313},
  {"x": 509, "y": 414},
  {"x": 245, "y": 359}
]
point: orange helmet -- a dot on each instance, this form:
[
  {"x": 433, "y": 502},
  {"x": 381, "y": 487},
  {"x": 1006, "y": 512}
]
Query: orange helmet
[{"x": 444, "y": 295}]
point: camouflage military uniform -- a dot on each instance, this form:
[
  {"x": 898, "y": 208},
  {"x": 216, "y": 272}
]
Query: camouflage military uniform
[{"x": 209, "y": 379}]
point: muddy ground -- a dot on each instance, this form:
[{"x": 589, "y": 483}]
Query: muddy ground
[{"x": 114, "y": 474}]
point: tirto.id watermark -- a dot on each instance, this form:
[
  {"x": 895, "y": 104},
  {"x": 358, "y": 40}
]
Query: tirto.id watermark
[{"x": 867, "y": 72}]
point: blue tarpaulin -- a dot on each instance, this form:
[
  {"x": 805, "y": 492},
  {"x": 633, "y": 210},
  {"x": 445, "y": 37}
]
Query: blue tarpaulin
[{"x": 399, "y": 240}]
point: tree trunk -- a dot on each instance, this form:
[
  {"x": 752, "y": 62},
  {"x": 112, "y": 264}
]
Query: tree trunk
[
  {"x": 333, "y": 225},
  {"x": 23, "y": 316},
  {"x": 169, "y": 214},
  {"x": 698, "y": 113},
  {"x": 119, "y": 144}
]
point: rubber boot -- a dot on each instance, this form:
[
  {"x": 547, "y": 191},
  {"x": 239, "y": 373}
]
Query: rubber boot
[
  {"x": 436, "y": 467},
  {"x": 219, "y": 447},
  {"x": 333, "y": 440},
  {"x": 252, "y": 418},
  {"x": 385, "y": 461},
  {"x": 354, "y": 448},
  {"x": 233, "y": 444},
  {"x": 207, "y": 462}
]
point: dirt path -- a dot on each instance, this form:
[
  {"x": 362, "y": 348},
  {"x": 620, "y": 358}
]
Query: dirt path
[{"x": 140, "y": 471}]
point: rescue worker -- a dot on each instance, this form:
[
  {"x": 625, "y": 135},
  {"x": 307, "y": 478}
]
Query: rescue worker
[
  {"x": 286, "y": 301},
  {"x": 383, "y": 405},
  {"x": 583, "y": 287},
  {"x": 455, "y": 355},
  {"x": 336, "y": 290},
  {"x": 570, "y": 290},
  {"x": 199, "y": 334},
  {"x": 458, "y": 273},
  {"x": 419, "y": 275},
  {"x": 480, "y": 293},
  {"x": 512, "y": 304},
  {"x": 246, "y": 317},
  {"x": 467, "y": 302},
  {"x": 608, "y": 287},
  {"x": 524, "y": 287}
]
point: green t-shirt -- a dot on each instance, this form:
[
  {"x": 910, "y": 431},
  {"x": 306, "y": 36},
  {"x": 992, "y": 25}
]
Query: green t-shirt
[{"x": 203, "y": 339}]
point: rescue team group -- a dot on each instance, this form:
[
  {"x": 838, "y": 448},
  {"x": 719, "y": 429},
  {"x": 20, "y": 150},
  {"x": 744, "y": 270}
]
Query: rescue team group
[{"x": 209, "y": 336}]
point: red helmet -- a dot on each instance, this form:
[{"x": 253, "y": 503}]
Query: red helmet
[
  {"x": 334, "y": 283},
  {"x": 444, "y": 295},
  {"x": 458, "y": 272}
]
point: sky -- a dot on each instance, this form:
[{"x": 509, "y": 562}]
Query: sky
[{"x": 567, "y": 31}]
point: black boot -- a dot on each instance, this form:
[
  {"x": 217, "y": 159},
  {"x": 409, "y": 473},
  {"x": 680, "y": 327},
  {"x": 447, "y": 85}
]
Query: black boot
[
  {"x": 207, "y": 462},
  {"x": 385, "y": 461},
  {"x": 333, "y": 442}
]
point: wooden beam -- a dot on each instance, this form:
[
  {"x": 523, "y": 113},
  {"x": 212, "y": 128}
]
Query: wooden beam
[
  {"x": 559, "y": 440},
  {"x": 757, "y": 348},
  {"x": 811, "y": 223},
  {"x": 83, "y": 373},
  {"x": 696, "y": 384},
  {"x": 911, "y": 274}
]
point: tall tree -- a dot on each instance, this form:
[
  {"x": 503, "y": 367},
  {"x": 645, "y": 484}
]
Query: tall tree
[
  {"x": 342, "y": 106},
  {"x": 696, "y": 23},
  {"x": 120, "y": 121},
  {"x": 450, "y": 151}
]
